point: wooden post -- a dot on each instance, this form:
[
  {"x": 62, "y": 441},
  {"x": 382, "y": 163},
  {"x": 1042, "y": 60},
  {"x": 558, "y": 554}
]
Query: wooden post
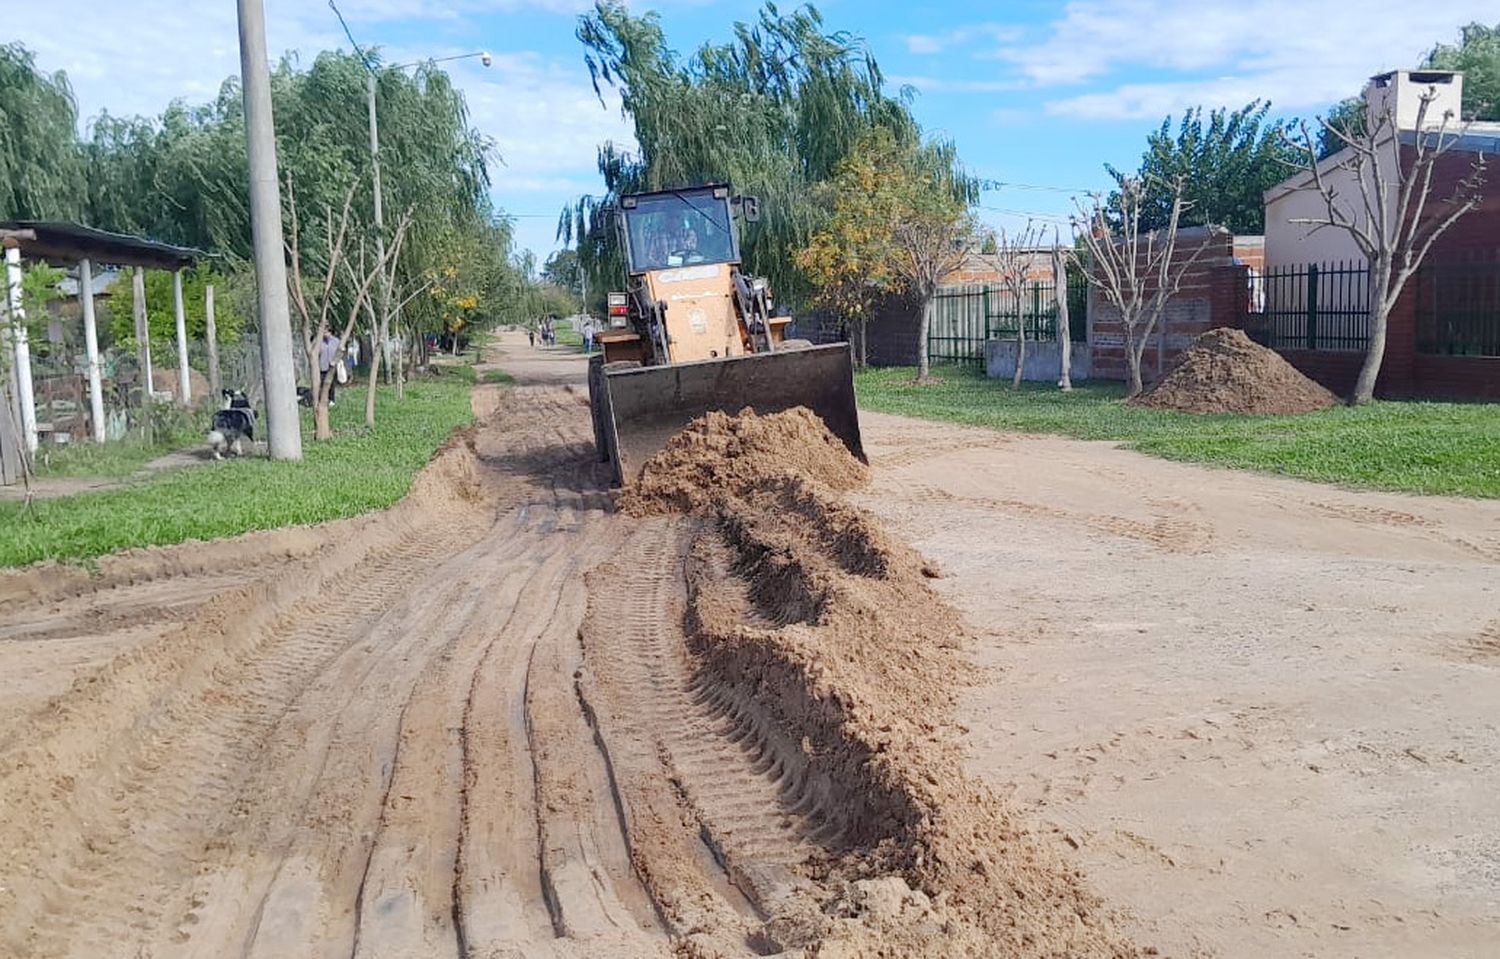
[
  {"x": 91, "y": 345},
  {"x": 211, "y": 340},
  {"x": 20, "y": 343},
  {"x": 184, "y": 386},
  {"x": 142, "y": 330}
]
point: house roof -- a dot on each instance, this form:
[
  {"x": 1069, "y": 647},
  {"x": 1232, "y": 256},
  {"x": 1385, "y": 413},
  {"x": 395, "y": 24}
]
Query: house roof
[{"x": 60, "y": 242}]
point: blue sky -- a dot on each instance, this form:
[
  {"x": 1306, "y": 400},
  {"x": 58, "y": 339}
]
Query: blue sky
[{"x": 1039, "y": 95}]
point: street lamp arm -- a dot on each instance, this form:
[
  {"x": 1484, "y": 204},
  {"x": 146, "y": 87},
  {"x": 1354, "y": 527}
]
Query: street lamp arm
[{"x": 483, "y": 55}]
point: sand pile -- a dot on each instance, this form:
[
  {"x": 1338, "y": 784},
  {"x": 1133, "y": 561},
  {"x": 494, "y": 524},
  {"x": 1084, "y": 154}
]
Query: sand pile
[
  {"x": 720, "y": 453},
  {"x": 817, "y": 628},
  {"x": 1226, "y": 372}
]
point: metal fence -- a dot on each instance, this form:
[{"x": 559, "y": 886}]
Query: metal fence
[
  {"x": 1458, "y": 309},
  {"x": 962, "y": 318},
  {"x": 1313, "y": 306}
]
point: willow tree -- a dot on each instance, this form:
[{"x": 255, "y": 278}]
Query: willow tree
[
  {"x": 41, "y": 169},
  {"x": 772, "y": 112}
]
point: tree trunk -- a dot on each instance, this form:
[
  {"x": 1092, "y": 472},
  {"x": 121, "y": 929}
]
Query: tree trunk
[
  {"x": 322, "y": 429},
  {"x": 864, "y": 344},
  {"x": 370, "y": 393},
  {"x": 1015, "y": 382},
  {"x": 1369, "y": 371},
  {"x": 923, "y": 323},
  {"x": 1134, "y": 349}
]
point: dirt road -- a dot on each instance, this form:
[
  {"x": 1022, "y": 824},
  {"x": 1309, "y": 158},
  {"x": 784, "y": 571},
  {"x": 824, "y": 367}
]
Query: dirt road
[
  {"x": 1263, "y": 714},
  {"x": 500, "y": 720}
]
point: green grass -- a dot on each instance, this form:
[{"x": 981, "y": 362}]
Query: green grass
[
  {"x": 357, "y": 471},
  {"x": 1442, "y": 448},
  {"x": 497, "y": 376},
  {"x": 175, "y": 429},
  {"x": 567, "y": 336}
]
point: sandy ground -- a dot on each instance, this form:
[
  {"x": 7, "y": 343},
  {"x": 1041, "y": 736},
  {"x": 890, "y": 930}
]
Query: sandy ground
[
  {"x": 500, "y": 720},
  {"x": 1263, "y": 714}
]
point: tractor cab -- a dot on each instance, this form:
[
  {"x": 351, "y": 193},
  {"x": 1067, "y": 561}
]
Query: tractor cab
[{"x": 687, "y": 298}]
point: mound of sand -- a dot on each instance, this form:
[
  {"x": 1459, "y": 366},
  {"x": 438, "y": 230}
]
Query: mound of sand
[
  {"x": 718, "y": 453},
  {"x": 1226, "y": 372}
]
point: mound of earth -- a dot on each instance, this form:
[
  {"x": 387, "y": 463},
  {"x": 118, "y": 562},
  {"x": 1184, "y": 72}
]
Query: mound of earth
[
  {"x": 811, "y": 638},
  {"x": 1227, "y": 372},
  {"x": 720, "y": 453}
]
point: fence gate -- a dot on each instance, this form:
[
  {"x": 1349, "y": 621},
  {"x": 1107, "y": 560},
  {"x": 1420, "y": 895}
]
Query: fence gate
[{"x": 962, "y": 318}]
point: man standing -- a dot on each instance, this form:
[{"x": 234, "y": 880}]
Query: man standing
[
  {"x": 588, "y": 335},
  {"x": 328, "y": 351}
]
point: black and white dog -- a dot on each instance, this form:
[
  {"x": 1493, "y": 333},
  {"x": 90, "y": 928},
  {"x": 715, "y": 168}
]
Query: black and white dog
[{"x": 233, "y": 425}]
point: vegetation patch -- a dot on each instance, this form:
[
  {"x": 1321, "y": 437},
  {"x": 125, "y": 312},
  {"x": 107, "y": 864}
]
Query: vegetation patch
[
  {"x": 357, "y": 471},
  {"x": 1439, "y": 448}
]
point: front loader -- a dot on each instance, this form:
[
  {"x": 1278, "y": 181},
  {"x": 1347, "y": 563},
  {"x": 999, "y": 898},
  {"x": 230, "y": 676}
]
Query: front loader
[{"x": 693, "y": 333}]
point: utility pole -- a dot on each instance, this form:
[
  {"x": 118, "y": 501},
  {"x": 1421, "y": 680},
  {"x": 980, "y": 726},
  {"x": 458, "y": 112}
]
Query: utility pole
[
  {"x": 273, "y": 311},
  {"x": 383, "y": 327}
]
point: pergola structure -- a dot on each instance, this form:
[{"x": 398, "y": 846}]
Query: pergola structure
[{"x": 70, "y": 244}]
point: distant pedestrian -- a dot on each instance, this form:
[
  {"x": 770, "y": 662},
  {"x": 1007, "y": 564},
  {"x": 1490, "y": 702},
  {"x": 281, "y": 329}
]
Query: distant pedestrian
[
  {"x": 328, "y": 352},
  {"x": 351, "y": 356},
  {"x": 588, "y": 336},
  {"x": 531, "y": 335}
]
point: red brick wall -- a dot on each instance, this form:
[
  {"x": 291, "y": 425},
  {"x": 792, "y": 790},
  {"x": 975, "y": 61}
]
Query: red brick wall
[{"x": 1214, "y": 293}]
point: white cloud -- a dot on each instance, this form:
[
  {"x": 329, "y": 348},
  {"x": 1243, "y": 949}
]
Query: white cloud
[
  {"x": 1300, "y": 54},
  {"x": 928, "y": 44}
]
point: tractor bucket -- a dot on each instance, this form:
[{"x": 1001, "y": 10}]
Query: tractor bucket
[{"x": 643, "y": 407}]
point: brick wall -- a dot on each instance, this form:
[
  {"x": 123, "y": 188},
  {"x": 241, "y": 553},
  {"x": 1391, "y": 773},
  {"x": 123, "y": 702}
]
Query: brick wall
[{"x": 1214, "y": 293}]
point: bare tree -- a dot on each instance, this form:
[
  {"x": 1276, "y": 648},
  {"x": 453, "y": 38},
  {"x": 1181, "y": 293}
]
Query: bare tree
[
  {"x": 1389, "y": 219},
  {"x": 928, "y": 246},
  {"x": 1013, "y": 259},
  {"x": 345, "y": 285},
  {"x": 1137, "y": 272},
  {"x": 394, "y": 301}
]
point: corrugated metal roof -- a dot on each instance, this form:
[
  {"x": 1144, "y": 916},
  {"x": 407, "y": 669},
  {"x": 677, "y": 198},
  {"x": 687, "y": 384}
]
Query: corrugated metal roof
[{"x": 70, "y": 242}]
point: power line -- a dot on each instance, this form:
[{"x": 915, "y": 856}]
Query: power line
[{"x": 358, "y": 50}]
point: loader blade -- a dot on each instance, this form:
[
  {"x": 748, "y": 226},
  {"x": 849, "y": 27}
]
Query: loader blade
[{"x": 646, "y": 406}]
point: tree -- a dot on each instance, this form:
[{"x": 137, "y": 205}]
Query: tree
[
  {"x": 1224, "y": 165},
  {"x": 1389, "y": 216},
  {"x": 338, "y": 281},
  {"x": 562, "y": 269},
  {"x": 41, "y": 175},
  {"x": 1013, "y": 257},
  {"x": 772, "y": 112},
  {"x": 1477, "y": 56},
  {"x": 1064, "y": 329},
  {"x": 900, "y": 221},
  {"x": 849, "y": 261},
  {"x": 1134, "y": 268},
  {"x": 229, "y": 319}
]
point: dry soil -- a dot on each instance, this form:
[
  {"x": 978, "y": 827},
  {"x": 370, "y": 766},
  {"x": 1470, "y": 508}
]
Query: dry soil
[{"x": 1209, "y": 712}]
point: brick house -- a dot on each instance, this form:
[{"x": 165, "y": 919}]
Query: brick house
[{"x": 1443, "y": 337}]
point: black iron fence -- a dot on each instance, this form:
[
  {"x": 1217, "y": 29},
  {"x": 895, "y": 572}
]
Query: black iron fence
[
  {"x": 1458, "y": 309},
  {"x": 962, "y": 318},
  {"x": 1312, "y": 306}
]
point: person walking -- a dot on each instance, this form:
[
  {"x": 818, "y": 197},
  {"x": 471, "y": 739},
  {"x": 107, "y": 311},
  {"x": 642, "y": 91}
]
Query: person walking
[
  {"x": 588, "y": 335},
  {"x": 351, "y": 356},
  {"x": 328, "y": 352}
]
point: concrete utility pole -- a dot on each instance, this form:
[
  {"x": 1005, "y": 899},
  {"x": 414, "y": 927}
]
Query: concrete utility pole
[
  {"x": 91, "y": 345},
  {"x": 21, "y": 344},
  {"x": 272, "y": 308}
]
